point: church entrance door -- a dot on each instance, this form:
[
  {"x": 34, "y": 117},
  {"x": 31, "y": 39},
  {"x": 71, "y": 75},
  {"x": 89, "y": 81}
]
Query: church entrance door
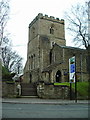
[{"x": 58, "y": 76}]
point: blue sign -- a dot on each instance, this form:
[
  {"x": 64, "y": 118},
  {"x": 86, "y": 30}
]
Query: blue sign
[{"x": 72, "y": 68}]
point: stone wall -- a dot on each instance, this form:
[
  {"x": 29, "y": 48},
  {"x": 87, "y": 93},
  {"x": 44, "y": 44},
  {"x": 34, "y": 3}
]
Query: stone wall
[
  {"x": 8, "y": 89},
  {"x": 52, "y": 91}
]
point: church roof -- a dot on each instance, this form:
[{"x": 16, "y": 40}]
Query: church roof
[
  {"x": 69, "y": 47},
  {"x": 51, "y": 66}
]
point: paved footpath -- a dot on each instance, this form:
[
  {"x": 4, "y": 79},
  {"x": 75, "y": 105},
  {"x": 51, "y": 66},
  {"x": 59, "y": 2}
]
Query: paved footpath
[{"x": 42, "y": 101}]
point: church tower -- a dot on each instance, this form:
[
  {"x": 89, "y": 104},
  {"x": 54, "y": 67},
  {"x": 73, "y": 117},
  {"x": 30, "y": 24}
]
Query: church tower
[
  {"x": 44, "y": 32},
  {"x": 48, "y": 57}
]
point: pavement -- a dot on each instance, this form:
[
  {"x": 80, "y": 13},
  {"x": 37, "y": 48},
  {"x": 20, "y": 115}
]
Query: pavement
[{"x": 36, "y": 100}]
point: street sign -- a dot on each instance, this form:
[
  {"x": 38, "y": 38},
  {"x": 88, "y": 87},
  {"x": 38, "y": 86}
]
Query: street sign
[{"x": 72, "y": 69}]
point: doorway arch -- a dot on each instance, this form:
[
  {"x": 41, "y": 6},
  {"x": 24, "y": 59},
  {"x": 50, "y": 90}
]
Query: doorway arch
[{"x": 58, "y": 76}]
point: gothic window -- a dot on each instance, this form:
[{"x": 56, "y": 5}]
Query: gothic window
[
  {"x": 30, "y": 78},
  {"x": 32, "y": 61},
  {"x": 51, "y": 30},
  {"x": 29, "y": 62},
  {"x": 50, "y": 57}
]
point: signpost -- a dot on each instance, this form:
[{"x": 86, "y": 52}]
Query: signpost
[
  {"x": 72, "y": 70},
  {"x": 72, "y": 76}
]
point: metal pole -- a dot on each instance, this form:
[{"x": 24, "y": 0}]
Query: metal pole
[
  {"x": 75, "y": 82},
  {"x": 70, "y": 91},
  {"x": 76, "y": 91}
]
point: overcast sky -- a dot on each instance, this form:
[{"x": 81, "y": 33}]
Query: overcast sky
[{"x": 24, "y": 11}]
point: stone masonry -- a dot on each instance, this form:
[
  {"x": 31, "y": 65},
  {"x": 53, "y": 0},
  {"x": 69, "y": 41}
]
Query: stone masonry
[
  {"x": 48, "y": 56},
  {"x": 47, "y": 53}
]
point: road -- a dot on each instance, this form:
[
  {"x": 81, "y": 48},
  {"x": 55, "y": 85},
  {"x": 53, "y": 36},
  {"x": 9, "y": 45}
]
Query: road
[{"x": 10, "y": 110}]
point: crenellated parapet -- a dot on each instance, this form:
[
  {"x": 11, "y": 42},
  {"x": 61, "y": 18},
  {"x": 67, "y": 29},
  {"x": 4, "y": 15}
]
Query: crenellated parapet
[{"x": 49, "y": 18}]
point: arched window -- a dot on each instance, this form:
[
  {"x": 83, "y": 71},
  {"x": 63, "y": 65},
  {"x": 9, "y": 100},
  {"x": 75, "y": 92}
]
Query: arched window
[
  {"x": 30, "y": 78},
  {"x": 51, "y": 30},
  {"x": 29, "y": 62},
  {"x": 58, "y": 76},
  {"x": 50, "y": 57}
]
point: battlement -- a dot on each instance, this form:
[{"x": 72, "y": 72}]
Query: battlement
[{"x": 51, "y": 18}]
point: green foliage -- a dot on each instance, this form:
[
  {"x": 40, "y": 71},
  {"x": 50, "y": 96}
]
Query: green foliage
[
  {"x": 4, "y": 71},
  {"x": 82, "y": 88},
  {"x": 6, "y": 75}
]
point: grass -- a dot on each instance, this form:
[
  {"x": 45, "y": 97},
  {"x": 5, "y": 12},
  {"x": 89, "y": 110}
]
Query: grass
[
  {"x": 66, "y": 83},
  {"x": 82, "y": 88}
]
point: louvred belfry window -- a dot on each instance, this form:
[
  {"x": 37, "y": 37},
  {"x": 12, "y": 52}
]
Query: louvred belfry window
[{"x": 51, "y": 30}]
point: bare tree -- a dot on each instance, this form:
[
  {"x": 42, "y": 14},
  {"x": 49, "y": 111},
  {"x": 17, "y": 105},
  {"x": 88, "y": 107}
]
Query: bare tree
[
  {"x": 17, "y": 66},
  {"x": 12, "y": 61},
  {"x": 77, "y": 19},
  {"x": 4, "y": 16}
]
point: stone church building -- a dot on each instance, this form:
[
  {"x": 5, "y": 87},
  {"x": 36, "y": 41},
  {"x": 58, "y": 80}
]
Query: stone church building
[{"x": 47, "y": 53}]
